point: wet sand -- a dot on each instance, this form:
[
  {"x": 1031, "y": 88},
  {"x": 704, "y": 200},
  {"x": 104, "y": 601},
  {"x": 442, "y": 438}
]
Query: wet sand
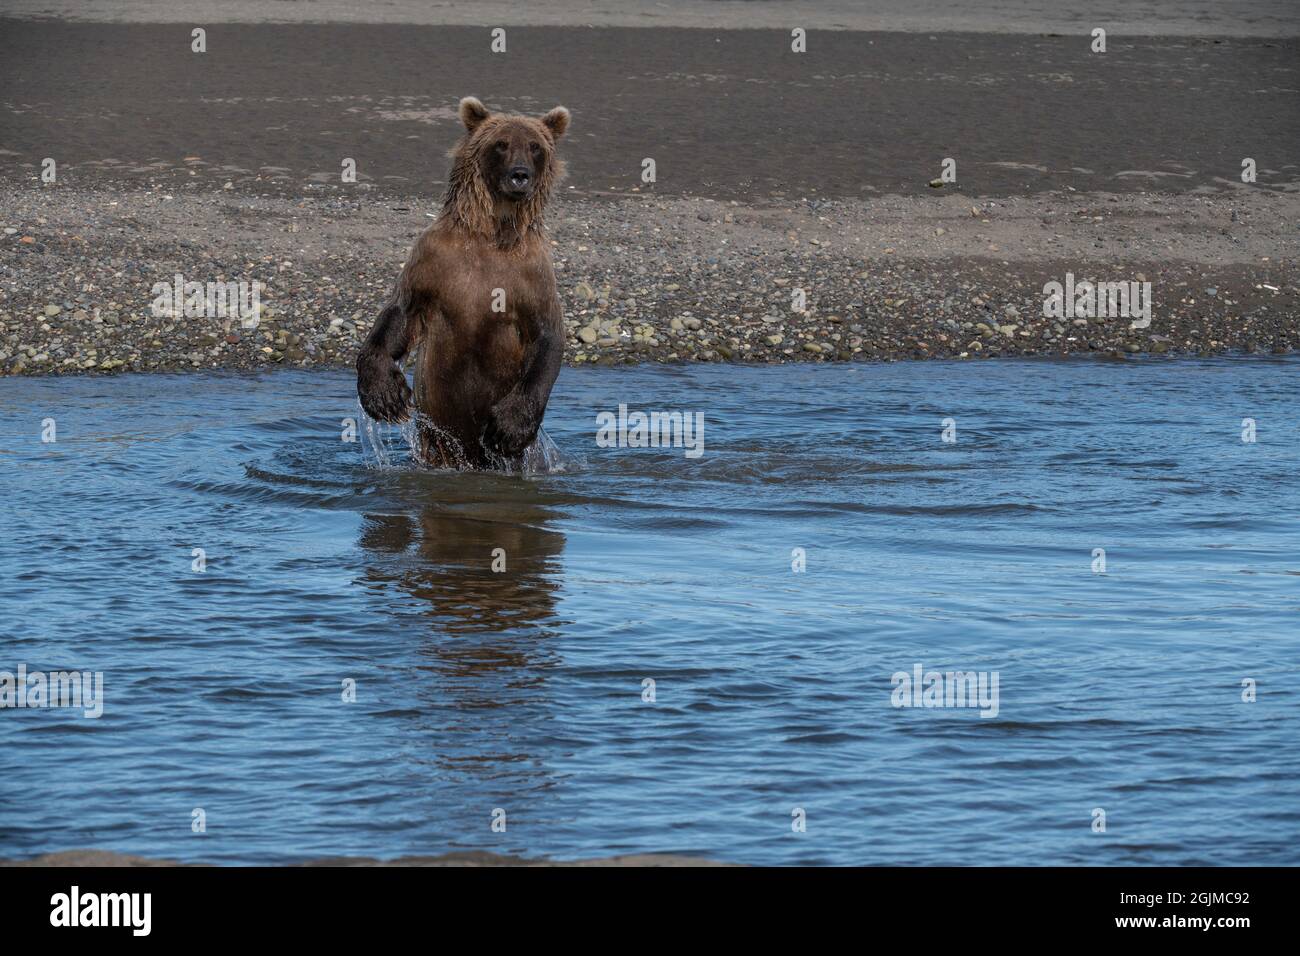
[
  {"x": 733, "y": 115},
  {"x": 1213, "y": 18}
]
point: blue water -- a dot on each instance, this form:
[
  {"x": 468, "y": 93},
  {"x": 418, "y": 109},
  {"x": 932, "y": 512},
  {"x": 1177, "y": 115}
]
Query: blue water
[{"x": 522, "y": 690}]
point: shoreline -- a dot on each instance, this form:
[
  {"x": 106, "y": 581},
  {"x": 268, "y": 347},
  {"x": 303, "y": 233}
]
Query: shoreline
[{"x": 655, "y": 279}]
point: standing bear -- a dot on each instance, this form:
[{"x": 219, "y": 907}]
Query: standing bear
[{"x": 477, "y": 301}]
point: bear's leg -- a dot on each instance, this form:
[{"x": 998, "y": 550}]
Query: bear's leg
[
  {"x": 516, "y": 418},
  {"x": 381, "y": 384},
  {"x": 437, "y": 448}
]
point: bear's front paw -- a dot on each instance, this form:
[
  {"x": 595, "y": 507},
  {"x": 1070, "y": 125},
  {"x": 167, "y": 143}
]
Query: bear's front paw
[
  {"x": 511, "y": 427},
  {"x": 382, "y": 387}
]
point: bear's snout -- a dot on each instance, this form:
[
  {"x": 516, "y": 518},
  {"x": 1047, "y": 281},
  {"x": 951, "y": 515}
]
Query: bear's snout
[{"x": 519, "y": 179}]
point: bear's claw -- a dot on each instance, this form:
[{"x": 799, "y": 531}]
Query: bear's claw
[
  {"x": 382, "y": 388},
  {"x": 510, "y": 429}
]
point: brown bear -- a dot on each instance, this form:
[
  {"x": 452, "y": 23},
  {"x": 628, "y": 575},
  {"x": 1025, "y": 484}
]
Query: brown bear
[{"x": 477, "y": 299}]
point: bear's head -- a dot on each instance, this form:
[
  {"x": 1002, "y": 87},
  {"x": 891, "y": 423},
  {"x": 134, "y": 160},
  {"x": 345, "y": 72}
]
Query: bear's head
[{"x": 504, "y": 168}]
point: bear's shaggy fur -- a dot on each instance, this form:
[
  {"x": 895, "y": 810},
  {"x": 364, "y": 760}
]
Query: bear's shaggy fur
[{"x": 477, "y": 300}]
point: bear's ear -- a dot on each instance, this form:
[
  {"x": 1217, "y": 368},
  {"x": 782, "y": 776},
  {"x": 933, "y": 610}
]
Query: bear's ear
[
  {"x": 557, "y": 121},
  {"x": 472, "y": 113}
]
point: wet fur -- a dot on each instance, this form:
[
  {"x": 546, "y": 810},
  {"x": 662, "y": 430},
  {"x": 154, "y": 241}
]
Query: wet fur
[{"x": 482, "y": 378}]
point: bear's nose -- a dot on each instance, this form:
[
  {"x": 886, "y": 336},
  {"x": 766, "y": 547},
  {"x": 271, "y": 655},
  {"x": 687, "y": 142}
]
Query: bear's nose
[{"x": 519, "y": 176}]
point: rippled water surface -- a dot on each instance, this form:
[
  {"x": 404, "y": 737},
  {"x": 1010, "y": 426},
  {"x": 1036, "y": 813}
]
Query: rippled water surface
[{"x": 523, "y": 689}]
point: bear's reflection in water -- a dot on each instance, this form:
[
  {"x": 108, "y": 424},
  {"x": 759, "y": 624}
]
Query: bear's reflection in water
[
  {"x": 487, "y": 566},
  {"x": 480, "y": 645}
]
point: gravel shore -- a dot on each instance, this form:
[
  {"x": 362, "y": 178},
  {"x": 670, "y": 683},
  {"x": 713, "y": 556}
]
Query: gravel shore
[{"x": 650, "y": 279}]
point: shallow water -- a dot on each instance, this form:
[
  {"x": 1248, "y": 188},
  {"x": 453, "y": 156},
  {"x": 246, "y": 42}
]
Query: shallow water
[{"x": 522, "y": 690}]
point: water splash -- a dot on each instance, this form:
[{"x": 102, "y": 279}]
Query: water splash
[
  {"x": 542, "y": 457},
  {"x": 388, "y": 447},
  {"x": 383, "y": 445}
]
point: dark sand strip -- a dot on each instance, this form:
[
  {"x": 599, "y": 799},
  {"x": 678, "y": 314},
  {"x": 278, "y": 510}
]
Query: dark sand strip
[
  {"x": 1133, "y": 17},
  {"x": 727, "y": 114}
]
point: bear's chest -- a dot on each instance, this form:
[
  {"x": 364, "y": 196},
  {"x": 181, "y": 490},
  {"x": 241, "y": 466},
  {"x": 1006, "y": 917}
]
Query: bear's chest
[{"x": 497, "y": 290}]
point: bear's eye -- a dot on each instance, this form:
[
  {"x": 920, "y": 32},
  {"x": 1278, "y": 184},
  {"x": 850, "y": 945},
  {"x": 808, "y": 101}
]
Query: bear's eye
[
  {"x": 536, "y": 148},
  {"x": 501, "y": 146}
]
